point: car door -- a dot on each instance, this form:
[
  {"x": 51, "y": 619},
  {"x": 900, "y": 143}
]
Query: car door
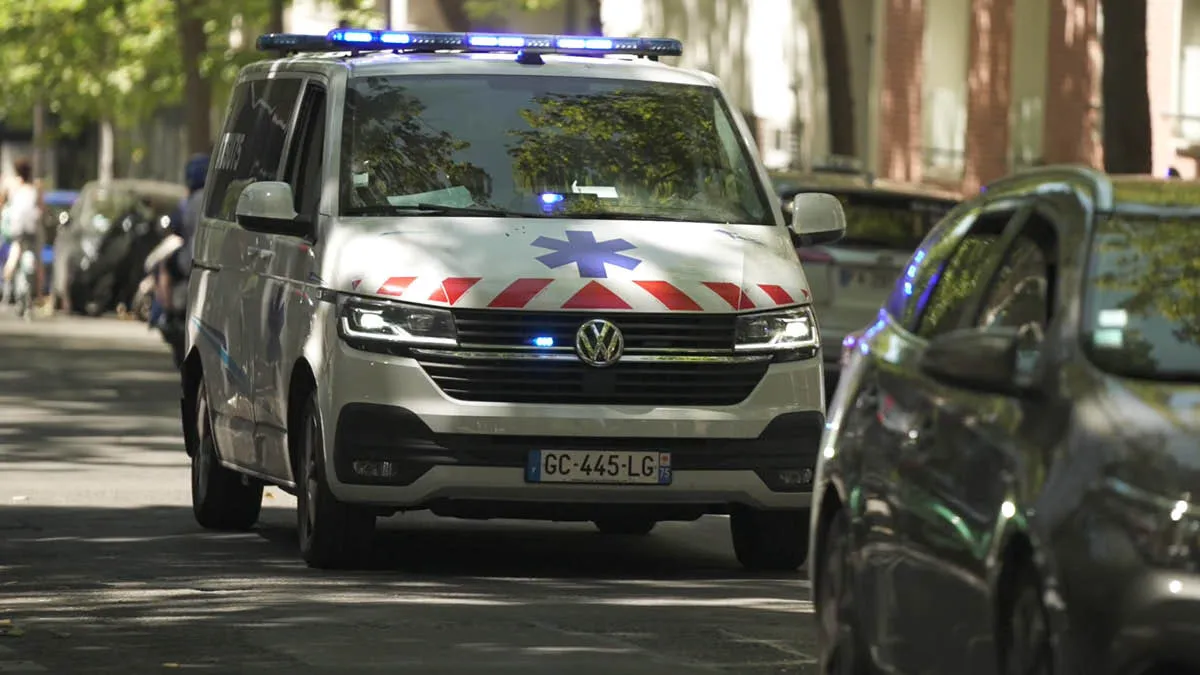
[
  {"x": 275, "y": 104},
  {"x": 869, "y": 431},
  {"x": 903, "y": 402},
  {"x": 291, "y": 282},
  {"x": 980, "y": 443},
  {"x": 223, "y": 257}
]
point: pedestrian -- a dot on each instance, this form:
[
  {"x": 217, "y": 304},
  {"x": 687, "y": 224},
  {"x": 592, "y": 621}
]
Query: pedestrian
[
  {"x": 173, "y": 273},
  {"x": 24, "y": 221}
]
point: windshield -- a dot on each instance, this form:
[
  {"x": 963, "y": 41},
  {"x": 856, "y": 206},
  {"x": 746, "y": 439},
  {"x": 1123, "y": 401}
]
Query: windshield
[
  {"x": 888, "y": 220},
  {"x": 1142, "y": 315},
  {"x": 546, "y": 146}
]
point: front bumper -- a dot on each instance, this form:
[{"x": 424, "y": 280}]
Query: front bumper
[{"x": 385, "y": 408}]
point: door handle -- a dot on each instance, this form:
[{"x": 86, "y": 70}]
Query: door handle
[{"x": 265, "y": 253}]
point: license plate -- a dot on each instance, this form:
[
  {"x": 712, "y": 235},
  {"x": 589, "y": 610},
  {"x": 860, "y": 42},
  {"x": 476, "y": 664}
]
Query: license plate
[
  {"x": 599, "y": 467},
  {"x": 868, "y": 278}
]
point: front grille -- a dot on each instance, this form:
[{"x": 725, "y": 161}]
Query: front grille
[
  {"x": 568, "y": 380},
  {"x": 643, "y": 333}
]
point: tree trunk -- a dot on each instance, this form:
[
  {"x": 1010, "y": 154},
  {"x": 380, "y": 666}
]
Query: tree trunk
[
  {"x": 838, "y": 83},
  {"x": 275, "y": 21},
  {"x": 1125, "y": 87},
  {"x": 455, "y": 14},
  {"x": 197, "y": 89},
  {"x": 104, "y": 171},
  {"x": 595, "y": 26}
]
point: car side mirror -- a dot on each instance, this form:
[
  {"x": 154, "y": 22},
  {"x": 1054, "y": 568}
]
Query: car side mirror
[
  {"x": 983, "y": 360},
  {"x": 268, "y": 206},
  {"x": 816, "y": 218}
]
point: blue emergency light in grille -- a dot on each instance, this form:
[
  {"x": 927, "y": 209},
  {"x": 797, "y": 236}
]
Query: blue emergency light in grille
[{"x": 360, "y": 40}]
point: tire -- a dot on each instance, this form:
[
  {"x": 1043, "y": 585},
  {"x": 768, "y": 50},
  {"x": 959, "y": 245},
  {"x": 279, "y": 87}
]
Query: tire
[
  {"x": 839, "y": 650},
  {"x": 332, "y": 534},
  {"x": 630, "y": 525},
  {"x": 770, "y": 541},
  {"x": 221, "y": 499},
  {"x": 1025, "y": 646}
]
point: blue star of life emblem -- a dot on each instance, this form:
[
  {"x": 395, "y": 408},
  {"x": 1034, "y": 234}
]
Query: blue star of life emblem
[{"x": 589, "y": 255}]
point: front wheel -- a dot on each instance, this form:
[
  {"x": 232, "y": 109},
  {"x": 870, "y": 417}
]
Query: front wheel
[
  {"x": 838, "y": 647},
  {"x": 333, "y": 535},
  {"x": 221, "y": 499},
  {"x": 1025, "y": 647},
  {"x": 770, "y": 541}
]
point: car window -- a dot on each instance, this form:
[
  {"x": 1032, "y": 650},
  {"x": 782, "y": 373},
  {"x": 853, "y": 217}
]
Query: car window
[
  {"x": 305, "y": 160},
  {"x": 252, "y": 143},
  {"x": 888, "y": 220},
  {"x": 1020, "y": 294},
  {"x": 572, "y": 147},
  {"x": 910, "y": 292},
  {"x": 1141, "y": 315},
  {"x": 953, "y": 284}
]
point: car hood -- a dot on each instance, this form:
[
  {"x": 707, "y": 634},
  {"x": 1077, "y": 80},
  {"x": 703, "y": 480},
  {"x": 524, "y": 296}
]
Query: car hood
[{"x": 558, "y": 264}]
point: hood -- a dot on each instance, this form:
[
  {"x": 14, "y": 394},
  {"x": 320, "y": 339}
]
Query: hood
[{"x": 554, "y": 264}]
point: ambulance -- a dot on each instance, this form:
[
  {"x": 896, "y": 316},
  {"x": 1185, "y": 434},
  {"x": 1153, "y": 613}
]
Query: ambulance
[{"x": 499, "y": 276}]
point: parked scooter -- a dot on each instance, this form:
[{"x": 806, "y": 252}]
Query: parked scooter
[{"x": 168, "y": 321}]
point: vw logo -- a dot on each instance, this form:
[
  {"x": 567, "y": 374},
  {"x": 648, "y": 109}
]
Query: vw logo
[{"x": 599, "y": 343}]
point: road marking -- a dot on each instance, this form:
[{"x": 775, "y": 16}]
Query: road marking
[
  {"x": 20, "y": 667},
  {"x": 778, "y": 645}
]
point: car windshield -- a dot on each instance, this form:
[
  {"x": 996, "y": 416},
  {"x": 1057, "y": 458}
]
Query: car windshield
[
  {"x": 890, "y": 220},
  {"x": 545, "y": 146},
  {"x": 1142, "y": 315}
]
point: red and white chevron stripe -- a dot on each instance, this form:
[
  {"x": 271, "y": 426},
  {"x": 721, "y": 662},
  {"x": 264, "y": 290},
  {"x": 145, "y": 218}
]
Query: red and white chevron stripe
[{"x": 595, "y": 294}]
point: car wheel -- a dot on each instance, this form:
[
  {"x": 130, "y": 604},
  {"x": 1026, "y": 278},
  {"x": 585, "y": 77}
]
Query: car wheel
[
  {"x": 769, "y": 541},
  {"x": 838, "y": 649},
  {"x": 629, "y": 525},
  {"x": 1025, "y": 647},
  {"x": 333, "y": 535},
  {"x": 221, "y": 499}
]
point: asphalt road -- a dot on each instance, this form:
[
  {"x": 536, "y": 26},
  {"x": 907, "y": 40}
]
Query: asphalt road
[{"x": 102, "y": 568}]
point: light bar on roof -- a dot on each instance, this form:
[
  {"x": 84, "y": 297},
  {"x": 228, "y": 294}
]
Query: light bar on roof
[{"x": 357, "y": 39}]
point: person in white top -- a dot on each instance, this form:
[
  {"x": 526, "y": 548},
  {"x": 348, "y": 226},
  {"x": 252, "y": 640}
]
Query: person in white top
[{"x": 24, "y": 213}]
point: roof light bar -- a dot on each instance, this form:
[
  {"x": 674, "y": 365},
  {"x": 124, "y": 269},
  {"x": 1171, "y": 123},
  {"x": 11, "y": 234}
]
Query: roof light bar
[{"x": 355, "y": 40}]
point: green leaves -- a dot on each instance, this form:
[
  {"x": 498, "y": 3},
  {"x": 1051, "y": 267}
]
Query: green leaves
[{"x": 118, "y": 60}]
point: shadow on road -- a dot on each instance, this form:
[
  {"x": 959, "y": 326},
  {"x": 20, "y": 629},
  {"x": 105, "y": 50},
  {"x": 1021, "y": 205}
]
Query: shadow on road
[
  {"x": 112, "y": 574},
  {"x": 63, "y": 398}
]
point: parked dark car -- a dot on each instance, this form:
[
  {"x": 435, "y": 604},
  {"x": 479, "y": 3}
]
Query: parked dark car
[
  {"x": 112, "y": 228},
  {"x": 885, "y": 221},
  {"x": 1011, "y": 462}
]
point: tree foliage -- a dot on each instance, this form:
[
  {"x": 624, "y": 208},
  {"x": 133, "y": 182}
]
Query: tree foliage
[{"x": 121, "y": 60}]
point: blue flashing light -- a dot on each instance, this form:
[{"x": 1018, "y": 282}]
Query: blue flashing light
[
  {"x": 392, "y": 38},
  {"x": 360, "y": 40},
  {"x": 584, "y": 43},
  {"x": 551, "y": 198},
  {"x": 543, "y": 341},
  {"x": 356, "y": 36}
]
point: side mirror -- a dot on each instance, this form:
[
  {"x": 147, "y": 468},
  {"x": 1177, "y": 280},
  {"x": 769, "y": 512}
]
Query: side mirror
[
  {"x": 989, "y": 361},
  {"x": 816, "y": 218},
  {"x": 268, "y": 205}
]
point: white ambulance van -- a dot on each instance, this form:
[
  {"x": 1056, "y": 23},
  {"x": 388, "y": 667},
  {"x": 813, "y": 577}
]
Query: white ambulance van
[{"x": 499, "y": 276}]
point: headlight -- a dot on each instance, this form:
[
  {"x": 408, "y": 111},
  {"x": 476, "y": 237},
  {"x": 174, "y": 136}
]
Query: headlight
[
  {"x": 791, "y": 332},
  {"x": 364, "y": 322}
]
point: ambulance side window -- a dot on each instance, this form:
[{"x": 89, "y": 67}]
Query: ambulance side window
[
  {"x": 305, "y": 166},
  {"x": 251, "y": 146}
]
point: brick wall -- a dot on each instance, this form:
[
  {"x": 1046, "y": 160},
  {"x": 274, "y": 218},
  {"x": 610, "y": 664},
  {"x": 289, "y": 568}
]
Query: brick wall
[
  {"x": 989, "y": 86},
  {"x": 1072, "y": 75},
  {"x": 900, "y": 90}
]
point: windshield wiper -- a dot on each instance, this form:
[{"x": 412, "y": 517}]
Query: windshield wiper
[
  {"x": 423, "y": 209},
  {"x": 616, "y": 215}
]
